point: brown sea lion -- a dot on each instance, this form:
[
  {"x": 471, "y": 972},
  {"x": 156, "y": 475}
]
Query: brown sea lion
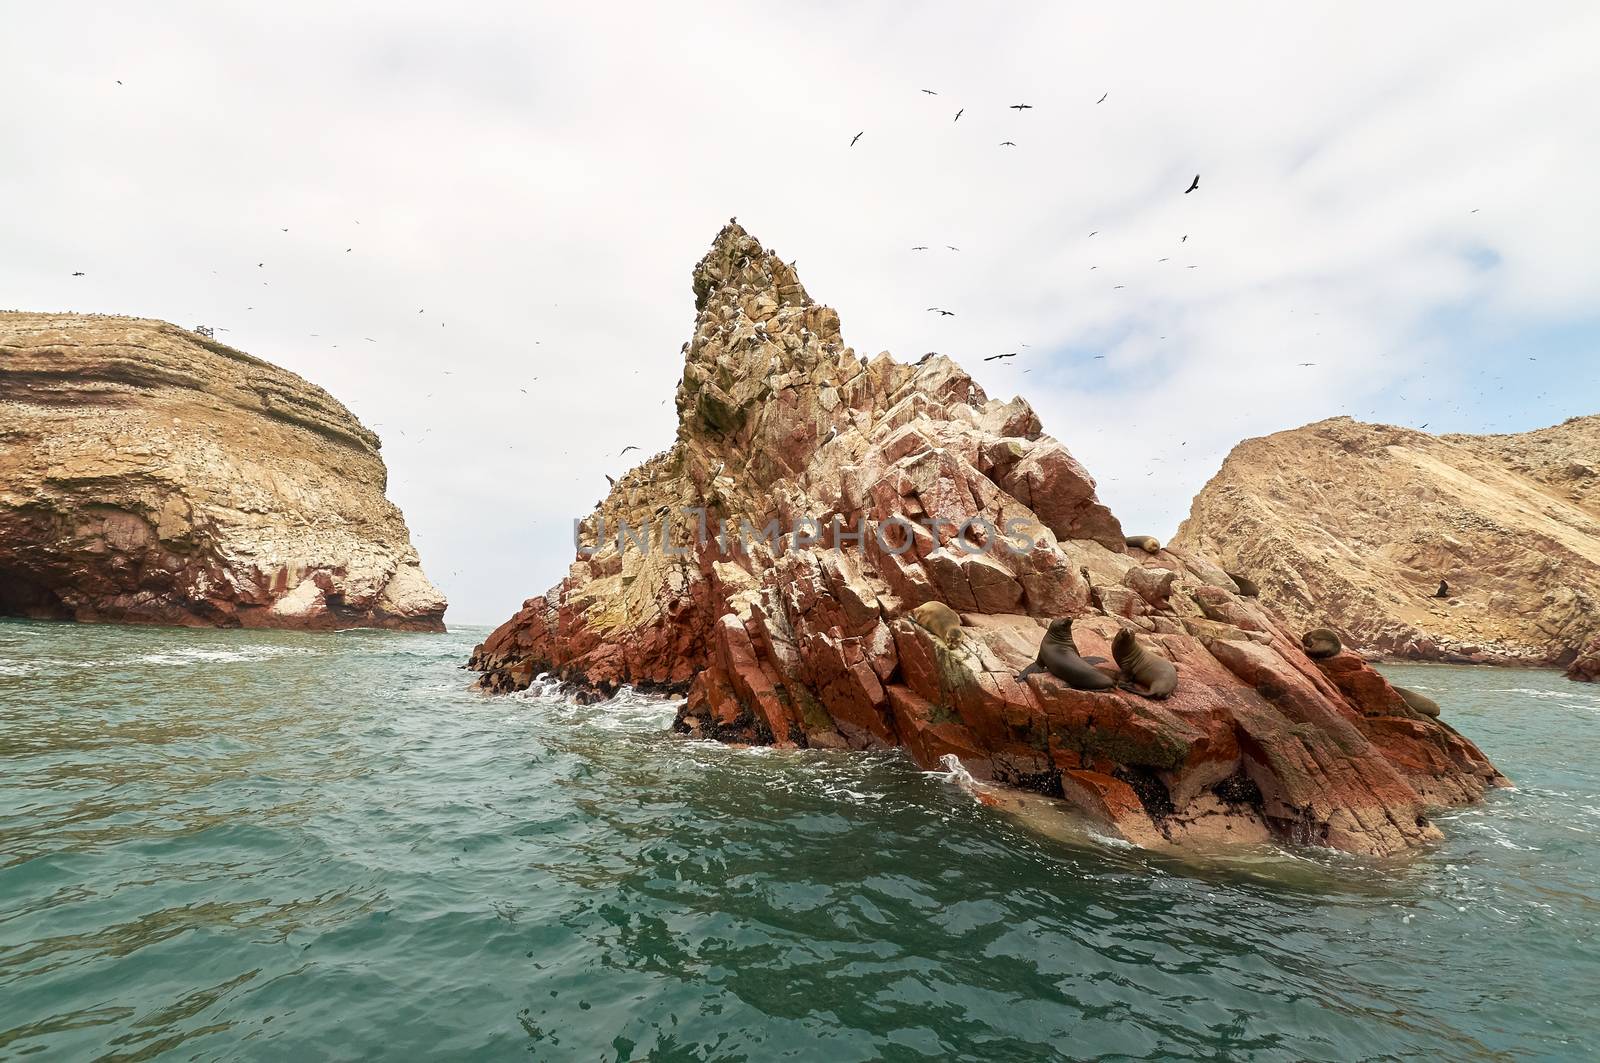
[
  {"x": 1418, "y": 702},
  {"x": 1058, "y": 655},
  {"x": 1149, "y": 670},
  {"x": 1247, "y": 586},
  {"x": 938, "y": 618},
  {"x": 1320, "y": 644},
  {"x": 1148, "y": 543}
]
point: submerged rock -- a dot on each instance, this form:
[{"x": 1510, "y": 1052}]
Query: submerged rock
[
  {"x": 1460, "y": 548},
  {"x": 890, "y": 468},
  {"x": 151, "y": 474}
]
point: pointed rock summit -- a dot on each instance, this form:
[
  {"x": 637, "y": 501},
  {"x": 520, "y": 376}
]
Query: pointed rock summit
[{"x": 767, "y": 565}]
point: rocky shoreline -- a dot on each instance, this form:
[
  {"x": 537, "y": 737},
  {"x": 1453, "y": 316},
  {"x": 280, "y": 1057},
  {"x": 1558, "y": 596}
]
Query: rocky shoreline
[
  {"x": 1360, "y": 526},
  {"x": 877, "y": 486},
  {"x": 150, "y": 474}
]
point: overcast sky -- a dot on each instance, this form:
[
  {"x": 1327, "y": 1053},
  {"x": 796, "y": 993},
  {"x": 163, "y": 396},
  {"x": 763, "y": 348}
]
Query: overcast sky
[{"x": 1402, "y": 194}]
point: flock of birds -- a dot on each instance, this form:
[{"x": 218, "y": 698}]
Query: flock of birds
[
  {"x": 1019, "y": 108},
  {"x": 1194, "y": 185}
]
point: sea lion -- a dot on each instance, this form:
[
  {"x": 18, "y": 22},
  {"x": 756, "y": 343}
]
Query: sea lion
[
  {"x": 1145, "y": 667},
  {"x": 1058, "y": 655},
  {"x": 1418, "y": 702},
  {"x": 1247, "y": 586},
  {"x": 1320, "y": 644},
  {"x": 1148, "y": 543},
  {"x": 1443, "y": 591},
  {"x": 941, "y": 620}
]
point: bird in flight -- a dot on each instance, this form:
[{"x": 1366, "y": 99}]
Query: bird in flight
[
  {"x": 624, "y": 450},
  {"x": 930, "y": 92},
  {"x": 79, "y": 273},
  {"x": 1185, "y": 239},
  {"x": 1091, "y": 234},
  {"x": 1021, "y": 107},
  {"x": 921, "y": 247},
  {"x": 1102, "y": 99},
  {"x": 959, "y": 113},
  {"x": 1161, "y": 260},
  {"x": 1098, "y": 357},
  {"x": 1423, "y": 425},
  {"x": 942, "y": 313},
  {"x": 119, "y": 83},
  {"x": 1192, "y": 185},
  {"x": 1008, "y": 143},
  {"x": 856, "y": 138},
  {"x": 1303, "y": 364},
  {"x": 997, "y": 357},
  {"x": 952, "y": 247}
]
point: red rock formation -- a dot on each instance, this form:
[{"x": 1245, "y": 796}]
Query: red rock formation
[
  {"x": 1585, "y": 668},
  {"x": 810, "y": 644},
  {"x": 149, "y": 474}
]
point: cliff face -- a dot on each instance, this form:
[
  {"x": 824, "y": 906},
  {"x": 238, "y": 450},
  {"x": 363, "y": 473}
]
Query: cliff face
[
  {"x": 1352, "y": 526},
  {"x": 150, "y": 474},
  {"x": 811, "y": 643}
]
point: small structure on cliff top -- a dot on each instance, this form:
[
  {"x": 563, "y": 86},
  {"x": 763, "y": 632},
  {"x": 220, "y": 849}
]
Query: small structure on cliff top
[{"x": 877, "y": 479}]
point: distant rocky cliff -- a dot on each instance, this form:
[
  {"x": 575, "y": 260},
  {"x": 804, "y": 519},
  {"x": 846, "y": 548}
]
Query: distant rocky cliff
[
  {"x": 1354, "y": 526},
  {"x": 151, "y": 474},
  {"x": 860, "y": 481}
]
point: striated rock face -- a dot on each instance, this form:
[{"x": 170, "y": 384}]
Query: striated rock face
[
  {"x": 812, "y": 644},
  {"x": 1353, "y": 525},
  {"x": 150, "y": 474}
]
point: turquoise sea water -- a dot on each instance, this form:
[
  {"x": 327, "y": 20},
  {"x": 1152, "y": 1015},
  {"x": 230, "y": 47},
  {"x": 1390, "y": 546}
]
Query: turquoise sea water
[{"x": 246, "y": 845}]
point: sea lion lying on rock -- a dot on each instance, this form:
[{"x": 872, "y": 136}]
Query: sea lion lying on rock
[
  {"x": 1144, "y": 666},
  {"x": 1320, "y": 644},
  {"x": 1418, "y": 702},
  {"x": 1148, "y": 543},
  {"x": 941, "y": 620},
  {"x": 1058, "y": 655},
  {"x": 1247, "y": 586}
]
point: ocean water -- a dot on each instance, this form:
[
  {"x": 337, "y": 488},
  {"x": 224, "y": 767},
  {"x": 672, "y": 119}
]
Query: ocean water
[{"x": 274, "y": 846}]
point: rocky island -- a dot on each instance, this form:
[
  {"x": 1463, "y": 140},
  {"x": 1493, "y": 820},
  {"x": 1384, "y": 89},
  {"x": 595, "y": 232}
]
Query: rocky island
[
  {"x": 875, "y": 487},
  {"x": 1458, "y": 548},
  {"x": 151, "y": 474}
]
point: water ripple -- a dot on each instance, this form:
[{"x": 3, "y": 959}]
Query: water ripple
[{"x": 258, "y": 845}]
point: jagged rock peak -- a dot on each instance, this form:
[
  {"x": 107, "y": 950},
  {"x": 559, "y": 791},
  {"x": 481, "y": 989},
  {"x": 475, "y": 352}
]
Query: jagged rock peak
[
  {"x": 738, "y": 261},
  {"x": 808, "y": 636}
]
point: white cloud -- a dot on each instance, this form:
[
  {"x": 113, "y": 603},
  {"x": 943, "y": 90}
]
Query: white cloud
[{"x": 541, "y": 178}]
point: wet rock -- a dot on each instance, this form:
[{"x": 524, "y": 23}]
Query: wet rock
[{"x": 914, "y": 481}]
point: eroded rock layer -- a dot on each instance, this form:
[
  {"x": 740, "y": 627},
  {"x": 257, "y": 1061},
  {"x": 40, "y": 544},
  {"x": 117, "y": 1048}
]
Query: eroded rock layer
[
  {"x": 150, "y": 474},
  {"x": 1354, "y": 526},
  {"x": 812, "y": 644}
]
